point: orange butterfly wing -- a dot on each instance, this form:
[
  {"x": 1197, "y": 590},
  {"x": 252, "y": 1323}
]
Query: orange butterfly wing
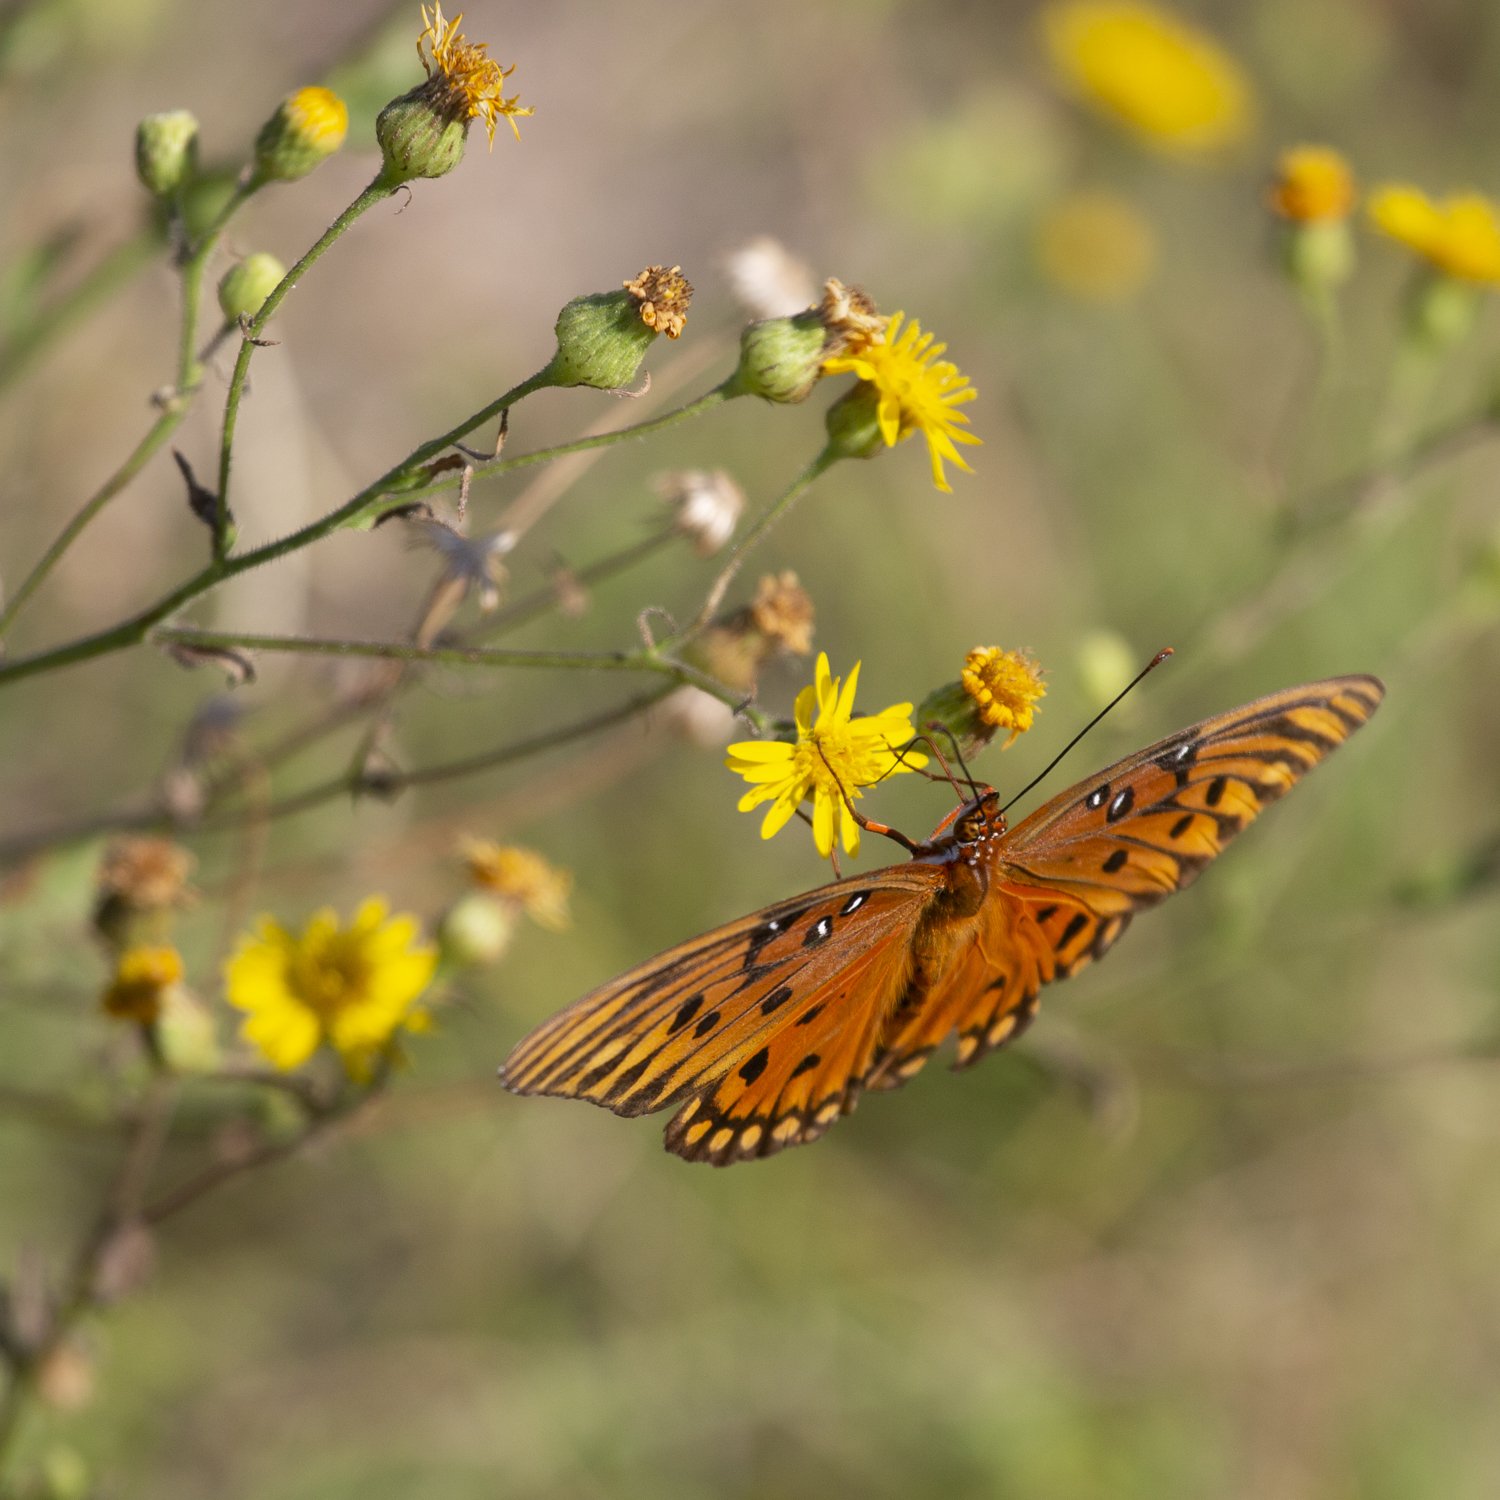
[
  {"x": 1071, "y": 875},
  {"x": 765, "y": 1027}
]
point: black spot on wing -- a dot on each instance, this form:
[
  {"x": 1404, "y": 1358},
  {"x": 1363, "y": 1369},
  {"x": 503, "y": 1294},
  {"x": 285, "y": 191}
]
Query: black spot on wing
[
  {"x": 807, "y": 1064},
  {"x": 819, "y": 932},
  {"x": 754, "y": 1066},
  {"x": 776, "y": 999},
  {"x": 707, "y": 1024},
  {"x": 1075, "y": 926},
  {"x": 685, "y": 1013},
  {"x": 1116, "y": 862}
]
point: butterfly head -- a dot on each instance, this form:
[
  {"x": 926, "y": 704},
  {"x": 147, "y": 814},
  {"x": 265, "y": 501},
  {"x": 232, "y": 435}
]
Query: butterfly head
[{"x": 979, "y": 820}]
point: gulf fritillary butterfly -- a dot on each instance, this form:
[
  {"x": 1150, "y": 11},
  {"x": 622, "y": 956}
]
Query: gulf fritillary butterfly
[{"x": 765, "y": 1031}]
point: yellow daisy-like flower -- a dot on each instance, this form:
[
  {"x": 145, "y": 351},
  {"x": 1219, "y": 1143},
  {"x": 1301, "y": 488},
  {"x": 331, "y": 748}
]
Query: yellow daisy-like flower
[
  {"x": 1004, "y": 687},
  {"x": 523, "y": 877},
  {"x": 473, "y": 79},
  {"x": 1170, "y": 84},
  {"x": 835, "y": 755},
  {"x": 1459, "y": 236},
  {"x": 916, "y": 391},
  {"x": 1096, "y": 246},
  {"x": 1312, "y": 184},
  {"x": 353, "y": 987},
  {"x": 143, "y": 976}
]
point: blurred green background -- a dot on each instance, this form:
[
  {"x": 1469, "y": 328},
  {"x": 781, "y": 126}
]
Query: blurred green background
[{"x": 1228, "y": 1221}]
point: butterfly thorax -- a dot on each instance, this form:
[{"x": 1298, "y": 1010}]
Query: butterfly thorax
[{"x": 965, "y": 846}]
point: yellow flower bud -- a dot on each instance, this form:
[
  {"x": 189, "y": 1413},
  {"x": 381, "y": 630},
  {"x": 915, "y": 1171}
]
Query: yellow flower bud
[{"x": 307, "y": 128}]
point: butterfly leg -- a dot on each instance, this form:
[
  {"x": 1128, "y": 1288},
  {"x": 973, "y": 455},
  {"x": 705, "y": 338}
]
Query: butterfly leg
[{"x": 869, "y": 825}]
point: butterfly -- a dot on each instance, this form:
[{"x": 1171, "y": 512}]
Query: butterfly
[{"x": 764, "y": 1032}]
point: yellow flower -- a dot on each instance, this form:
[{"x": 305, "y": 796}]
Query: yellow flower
[
  {"x": 1004, "y": 687},
  {"x": 1459, "y": 236},
  {"x": 474, "y": 82},
  {"x": 835, "y": 755},
  {"x": 522, "y": 877},
  {"x": 1312, "y": 184},
  {"x": 1096, "y": 246},
  {"x": 1150, "y": 71},
  {"x": 353, "y": 987},
  {"x": 916, "y": 392},
  {"x": 142, "y": 978}
]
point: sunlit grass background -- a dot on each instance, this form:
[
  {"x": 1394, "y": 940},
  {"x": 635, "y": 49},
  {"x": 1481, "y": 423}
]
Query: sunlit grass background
[{"x": 1256, "y": 1254}]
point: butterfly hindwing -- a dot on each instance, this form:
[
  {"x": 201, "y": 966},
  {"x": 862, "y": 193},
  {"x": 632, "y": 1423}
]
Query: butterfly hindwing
[{"x": 805, "y": 1073}]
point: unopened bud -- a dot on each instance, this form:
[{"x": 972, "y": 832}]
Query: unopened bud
[{"x": 166, "y": 151}]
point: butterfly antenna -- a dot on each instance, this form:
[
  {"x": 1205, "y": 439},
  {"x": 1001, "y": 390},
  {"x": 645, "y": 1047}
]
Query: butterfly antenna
[
  {"x": 1052, "y": 764},
  {"x": 975, "y": 790}
]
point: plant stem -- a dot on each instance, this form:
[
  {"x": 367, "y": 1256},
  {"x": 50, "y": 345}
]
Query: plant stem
[
  {"x": 776, "y": 511},
  {"x": 132, "y": 631},
  {"x": 375, "y": 193},
  {"x": 174, "y": 409}
]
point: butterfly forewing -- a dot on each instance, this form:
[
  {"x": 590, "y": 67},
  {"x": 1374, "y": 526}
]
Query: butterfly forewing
[
  {"x": 1070, "y": 876},
  {"x": 1146, "y": 827},
  {"x": 680, "y": 1021}
]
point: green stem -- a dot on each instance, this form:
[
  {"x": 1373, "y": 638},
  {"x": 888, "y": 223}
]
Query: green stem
[
  {"x": 375, "y": 193},
  {"x": 498, "y": 465},
  {"x": 648, "y": 659},
  {"x": 174, "y": 410},
  {"x": 773, "y": 513},
  {"x": 132, "y": 631}
]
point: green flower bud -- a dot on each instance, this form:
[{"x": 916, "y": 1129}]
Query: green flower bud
[
  {"x": 418, "y": 136},
  {"x": 781, "y": 358},
  {"x": 476, "y": 930},
  {"x": 853, "y": 423},
  {"x": 245, "y": 287},
  {"x": 1318, "y": 255},
  {"x": 954, "y": 710},
  {"x": 166, "y": 151},
  {"x": 602, "y": 339},
  {"x": 307, "y": 128},
  {"x": 601, "y": 342},
  {"x": 1105, "y": 663},
  {"x": 1442, "y": 311},
  {"x": 186, "y": 1033}
]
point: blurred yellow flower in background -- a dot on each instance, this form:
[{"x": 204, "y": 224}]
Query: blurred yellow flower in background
[
  {"x": 835, "y": 755},
  {"x": 1458, "y": 235},
  {"x": 352, "y": 987},
  {"x": 143, "y": 976},
  {"x": 1004, "y": 687},
  {"x": 1312, "y": 184},
  {"x": 1096, "y": 245},
  {"x": 523, "y": 877},
  {"x": 1161, "y": 78},
  {"x": 916, "y": 390}
]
